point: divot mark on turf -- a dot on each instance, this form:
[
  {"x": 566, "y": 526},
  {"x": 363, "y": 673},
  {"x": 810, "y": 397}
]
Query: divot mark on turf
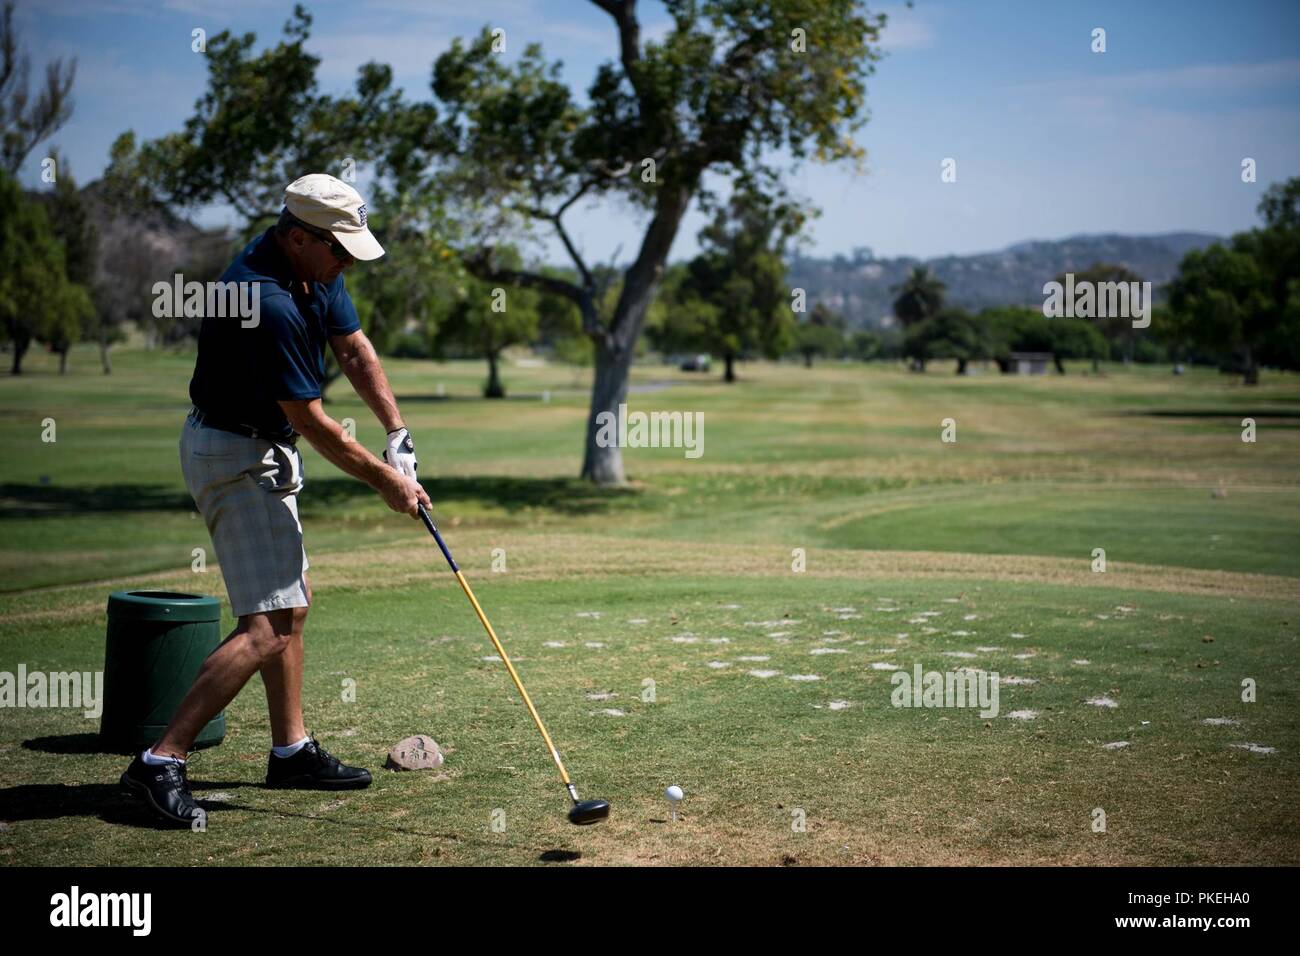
[
  {"x": 1255, "y": 748},
  {"x": 730, "y": 607},
  {"x": 1017, "y": 635},
  {"x": 718, "y": 665},
  {"x": 638, "y": 620},
  {"x": 592, "y": 644},
  {"x": 839, "y": 704},
  {"x": 987, "y": 650},
  {"x": 1024, "y": 657},
  {"x": 684, "y": 639},
  {"x": 962, "y": 654},
  {"x": 554, "y": 644},
  {"x": 1082, "y": 662},
  {"x": 1023, "y": 715},
  {"x": 1016, "y": 681},
  {"x": 719, "y": 640},
  {"x": 828, "y": 650},
  {"x": 1116, "y": 745},
  {"x": 601, "y": 695},
  {"x": 763, "y": 674},
  {"x": 589, "y": 614},
  {"x": 1102, "y": 702},
  {"x": 1221, "y": 722},
  {"x": 804, "y": 677},
  {"x": 757, "y": 658},
  {"x": 883, "y": 666},
  {"x": 608, "y": 712}
]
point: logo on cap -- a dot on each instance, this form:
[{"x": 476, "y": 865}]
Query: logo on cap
[{"x": 361, "y": 211}]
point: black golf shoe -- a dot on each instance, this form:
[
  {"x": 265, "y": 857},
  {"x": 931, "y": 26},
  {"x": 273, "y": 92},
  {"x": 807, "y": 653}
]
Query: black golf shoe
[
  {"x": 314, "y": 768},
  {"x": 164, "y": 788}
]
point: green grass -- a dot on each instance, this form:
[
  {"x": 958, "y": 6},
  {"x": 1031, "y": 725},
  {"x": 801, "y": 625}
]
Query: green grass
[{"x": 844, "y": 462}]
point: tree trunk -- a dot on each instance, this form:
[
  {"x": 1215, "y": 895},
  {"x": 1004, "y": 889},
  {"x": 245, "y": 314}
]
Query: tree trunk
[
  {"x": 494, "y": 388},
  {"x": 730, "y": 375},
  {"x": 1004, "y": 365},
  {"x": 616, "y": 344},
  {"x": 961, "y": 366},
  {"x": 807, "y": 359},
  {"x": 63, "y": 362},
  {"x": 104, "y": 360},
  {"x": 1251, "y": 375},
  {"x": 603, "y": 463},
  {"x": 1060, "y": 366},
  {"x": 21, "y": 342}
]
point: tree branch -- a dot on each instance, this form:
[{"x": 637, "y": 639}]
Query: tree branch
[{"x": 629, "y": 37}]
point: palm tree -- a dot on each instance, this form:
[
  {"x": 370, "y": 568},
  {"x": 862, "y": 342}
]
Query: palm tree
[{"x": 919, "y": 297}]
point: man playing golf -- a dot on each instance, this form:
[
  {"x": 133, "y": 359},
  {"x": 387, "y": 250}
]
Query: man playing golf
[{"x": 256, "y": 389}]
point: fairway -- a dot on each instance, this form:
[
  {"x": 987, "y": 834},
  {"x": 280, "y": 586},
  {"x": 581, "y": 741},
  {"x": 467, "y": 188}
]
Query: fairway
[{"x": 666, "y": 638}]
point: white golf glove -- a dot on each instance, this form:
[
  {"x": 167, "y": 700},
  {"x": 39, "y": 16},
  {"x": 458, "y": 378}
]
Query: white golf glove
[{"x": 401, "y": 452}]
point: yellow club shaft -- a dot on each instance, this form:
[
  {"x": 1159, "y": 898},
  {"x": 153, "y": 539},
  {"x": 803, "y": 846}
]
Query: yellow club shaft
[{"x": 519, "y": 685}]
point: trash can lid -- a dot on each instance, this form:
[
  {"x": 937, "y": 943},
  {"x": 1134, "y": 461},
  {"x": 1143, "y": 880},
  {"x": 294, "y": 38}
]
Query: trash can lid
[{"x": 174, "y": 606}]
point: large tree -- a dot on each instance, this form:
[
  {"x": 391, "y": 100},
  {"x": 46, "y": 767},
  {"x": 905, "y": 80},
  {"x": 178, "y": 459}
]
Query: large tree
[
  {"x": 952, "y": 334},
  {"x": 37, "y": 301},
  {"x": 1116, "y": 329},
  {"x": 821, "y": 333},
  {"x": 733, "y": 298},
  {"x": 25, "y": 119},
  {"x": 485, "y": 321},
  {"x": 1241, "y": 301},
  {"x": 732, "y": 86},
  {"x": 920, "y": 296},
  {"x": 742, "y": 89},
  {"x": 71, "y": 223}
]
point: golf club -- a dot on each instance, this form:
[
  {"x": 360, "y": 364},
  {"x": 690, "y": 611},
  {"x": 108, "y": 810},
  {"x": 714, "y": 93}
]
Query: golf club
[{"x": 583, "y": 812}]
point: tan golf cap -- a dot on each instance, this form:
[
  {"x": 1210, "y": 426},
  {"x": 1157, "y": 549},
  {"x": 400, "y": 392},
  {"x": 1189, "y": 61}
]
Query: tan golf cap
[{"x": 322, "y": 201}]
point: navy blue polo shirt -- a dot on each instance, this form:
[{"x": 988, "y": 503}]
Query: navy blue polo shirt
[{"x": 241, "y": 373}]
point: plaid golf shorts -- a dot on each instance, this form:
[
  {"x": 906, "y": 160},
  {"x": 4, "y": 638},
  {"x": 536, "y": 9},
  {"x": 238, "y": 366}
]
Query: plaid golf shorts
[{"x": 247, "y": 491}]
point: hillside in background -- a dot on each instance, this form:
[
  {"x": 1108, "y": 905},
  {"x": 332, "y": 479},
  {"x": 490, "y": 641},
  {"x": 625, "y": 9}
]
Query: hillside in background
[
  {"x": 138, "y": 248},
  {"x": 860, "y": 286}
]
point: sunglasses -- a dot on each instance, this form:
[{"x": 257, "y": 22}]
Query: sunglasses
[{"x": 322, "y": 235}]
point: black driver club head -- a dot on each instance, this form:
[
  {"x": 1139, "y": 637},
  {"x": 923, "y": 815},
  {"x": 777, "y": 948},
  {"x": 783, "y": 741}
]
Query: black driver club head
[{"x": 588, "y": 812}]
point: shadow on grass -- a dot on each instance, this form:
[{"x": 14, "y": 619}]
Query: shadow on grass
[
  {"x": 569, "y": 496},
  {"x": 1232, "y": 413},
  {"x": 107, "y": 801}
]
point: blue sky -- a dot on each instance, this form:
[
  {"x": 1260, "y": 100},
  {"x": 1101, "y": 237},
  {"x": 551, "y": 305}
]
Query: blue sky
[{"x": 1050, "y": 139}]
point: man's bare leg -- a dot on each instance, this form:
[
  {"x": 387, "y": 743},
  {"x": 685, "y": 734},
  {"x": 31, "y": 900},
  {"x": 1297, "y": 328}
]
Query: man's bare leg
[
  {"x": 282, "y": 677},
  {"x": 256, "y": 639}
]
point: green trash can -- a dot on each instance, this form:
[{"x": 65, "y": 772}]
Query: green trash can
[{"x": 157, "y": 641}]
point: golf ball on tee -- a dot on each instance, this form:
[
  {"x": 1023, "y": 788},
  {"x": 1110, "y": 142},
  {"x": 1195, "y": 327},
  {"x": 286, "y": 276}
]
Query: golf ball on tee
[{"x": 674, "y": 793}]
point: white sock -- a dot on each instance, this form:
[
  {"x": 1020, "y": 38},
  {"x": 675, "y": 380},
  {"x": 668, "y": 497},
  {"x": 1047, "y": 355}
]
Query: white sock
[
  {"x": 153, "y": 760},
  {"x": 292, "y": 749}
]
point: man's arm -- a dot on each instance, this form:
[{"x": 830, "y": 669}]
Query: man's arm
[
  {"x": 360, "y": 363},
  {"x": 327, "y": 436}
]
